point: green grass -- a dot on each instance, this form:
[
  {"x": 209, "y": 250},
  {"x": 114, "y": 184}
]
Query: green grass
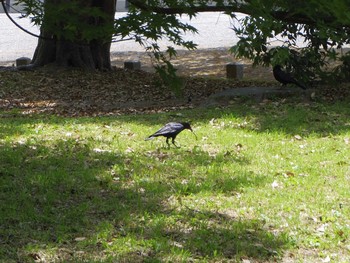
[{"x": 263, "y": 182}]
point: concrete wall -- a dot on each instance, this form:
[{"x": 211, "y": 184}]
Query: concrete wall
[
  {"x": 121, "y": 6},
  {"x": 10, "y": 3}
]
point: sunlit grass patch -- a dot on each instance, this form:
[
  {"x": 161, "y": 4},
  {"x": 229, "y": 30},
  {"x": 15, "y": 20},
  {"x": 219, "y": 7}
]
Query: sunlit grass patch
[{"x": 263, "y": 182}]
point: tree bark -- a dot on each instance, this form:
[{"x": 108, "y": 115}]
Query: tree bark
[{"x": 54, "y": 48}]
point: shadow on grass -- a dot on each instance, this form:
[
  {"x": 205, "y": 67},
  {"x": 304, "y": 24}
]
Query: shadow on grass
[
  {"x": 67, "y": 202},
  {"x": 288, "y": 117},
  {"x": 64, "y": 201}
]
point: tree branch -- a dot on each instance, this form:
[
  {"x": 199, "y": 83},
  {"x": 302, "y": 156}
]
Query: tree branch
[
  {"x": 239, "y": 8},
  {"x": 182, "y": 10}
]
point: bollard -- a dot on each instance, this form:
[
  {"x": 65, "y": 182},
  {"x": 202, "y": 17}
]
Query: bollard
[
  {"x": 234, "y": 70},
  {"x": 132, "y": 64},
  {"x": 23, "y": 61}
]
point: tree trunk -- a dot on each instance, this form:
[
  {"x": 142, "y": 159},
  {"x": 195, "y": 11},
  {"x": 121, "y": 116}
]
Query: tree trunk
[{"x": 55, "y": 47}]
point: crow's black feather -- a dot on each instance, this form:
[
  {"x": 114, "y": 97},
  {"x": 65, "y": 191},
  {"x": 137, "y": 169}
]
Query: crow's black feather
[
  {"x": 285, "y": 77},
  {"x": 170, "y": 130}
]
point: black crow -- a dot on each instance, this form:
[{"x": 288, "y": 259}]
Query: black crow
[
  {"x": 285, "y": 77},
  {"x": 171, "y": 130}
]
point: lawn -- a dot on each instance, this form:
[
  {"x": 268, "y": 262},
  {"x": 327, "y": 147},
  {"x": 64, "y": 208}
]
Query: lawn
[{"x": 264, "y": 182}]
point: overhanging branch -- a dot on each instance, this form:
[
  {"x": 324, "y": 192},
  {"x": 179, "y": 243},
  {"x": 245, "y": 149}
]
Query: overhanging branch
[
  {"x": 238, "y": 8},
  {"x": 183, "y": 10}
]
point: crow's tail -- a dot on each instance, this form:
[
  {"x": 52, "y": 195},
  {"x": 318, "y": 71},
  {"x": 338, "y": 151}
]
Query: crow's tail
[
  {"x": 300, "y": 85},
  {"x": 149, "y": 138}
]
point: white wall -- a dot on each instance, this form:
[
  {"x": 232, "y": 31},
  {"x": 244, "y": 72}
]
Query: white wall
[{"x": 120, "y": 6}]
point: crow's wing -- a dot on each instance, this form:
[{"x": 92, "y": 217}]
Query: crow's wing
[
  {"x": 282, "y": 76},
  {"x": 285, "y": 77},
  {"x": 168, "y": 129}
]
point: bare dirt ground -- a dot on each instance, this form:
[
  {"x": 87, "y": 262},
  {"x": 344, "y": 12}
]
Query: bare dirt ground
[
  {"x": 194, "y": 63},
  {"x": 202, "y": 62}
]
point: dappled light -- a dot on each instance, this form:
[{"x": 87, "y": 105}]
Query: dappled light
[
  {"x": 68, "y": 190},
  {"x": 89, "y": 167},
  {"x": 92, "y": 188}
]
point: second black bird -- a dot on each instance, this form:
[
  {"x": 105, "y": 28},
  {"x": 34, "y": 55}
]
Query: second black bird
[
  {"x": 285, "y": 77},
  {"x": 170, "y": 130}
]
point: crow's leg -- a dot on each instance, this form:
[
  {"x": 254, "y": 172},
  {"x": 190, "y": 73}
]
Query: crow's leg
[
  {"x": 167, "y": 142},
  {"x": 173, "y": 141}
]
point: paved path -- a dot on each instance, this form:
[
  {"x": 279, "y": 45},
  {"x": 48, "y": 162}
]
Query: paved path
[{"x": 214, "y": 31}]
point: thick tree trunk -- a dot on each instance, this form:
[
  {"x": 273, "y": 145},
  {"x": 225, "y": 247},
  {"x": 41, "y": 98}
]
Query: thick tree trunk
[{"x": 54, "y": 48}]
